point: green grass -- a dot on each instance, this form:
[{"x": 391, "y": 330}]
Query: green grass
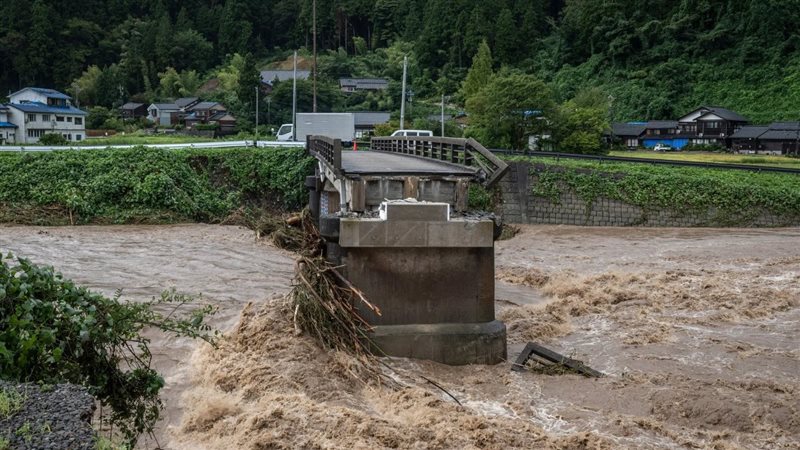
[
  {"x": 140, "y": 138},
  {"x": 5, "y": 444},
  {"x": 11, "y": 401},
  {"x": 702, "y": 157}
]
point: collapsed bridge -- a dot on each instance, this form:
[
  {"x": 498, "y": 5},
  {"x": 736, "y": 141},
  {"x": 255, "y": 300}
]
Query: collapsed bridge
[{"x": 396, "y": 219}]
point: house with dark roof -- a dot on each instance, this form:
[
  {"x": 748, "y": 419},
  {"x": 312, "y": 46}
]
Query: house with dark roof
[
  {"x": 711, "y": 125},
  {"x": 184, "y": 103},
  {"x": 778, "y": 138},
  {"x": 39, "y": 111},
  {"x": 627, "y": 134},
  {"x": 132, "y": 110},
  {"x": 664, "y": 132},
  {"x": 365, "y": 122},
  {"x": 745, "y": 140},
  {"x": 363, "y": 84},
  {"x": 210, "y": 113},
  {"x": 166, "y": 114}
]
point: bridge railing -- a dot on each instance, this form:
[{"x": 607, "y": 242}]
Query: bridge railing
[
  {"x": 465, "y": 152},
  {"x": 327, "y": 149}
]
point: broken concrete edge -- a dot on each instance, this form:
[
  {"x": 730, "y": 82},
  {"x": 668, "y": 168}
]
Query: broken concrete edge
[{"x": 447, "y": 343}]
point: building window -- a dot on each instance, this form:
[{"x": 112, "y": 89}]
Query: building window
[
  {"x": 69, "y": 119},
  {"x": 35, "y": 133},
  {"x": 79, "y": 121},
  {"x": 59, "y": 118},
  {"x": 45, "y": 117},
  {"x": 31, "y": 117},
  {"x": 78, "y": 137}
]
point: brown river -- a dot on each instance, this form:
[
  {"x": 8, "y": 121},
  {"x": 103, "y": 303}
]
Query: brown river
[{"x": 697, "y": 330}]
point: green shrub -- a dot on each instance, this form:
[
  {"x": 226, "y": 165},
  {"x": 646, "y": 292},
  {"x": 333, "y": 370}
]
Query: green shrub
[
  {"x": 131, "y": 185},
  {"x": 733, "y": 194},
  {"x": 53, "y": 139},
  {"x": 53, "y": 331}
]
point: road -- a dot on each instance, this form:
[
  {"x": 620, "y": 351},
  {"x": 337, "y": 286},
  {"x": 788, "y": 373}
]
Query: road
[{"x": 221, "y": 144}]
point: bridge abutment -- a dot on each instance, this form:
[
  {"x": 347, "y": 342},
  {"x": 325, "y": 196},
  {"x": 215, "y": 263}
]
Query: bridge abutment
[{"x": 428, "y": 267}]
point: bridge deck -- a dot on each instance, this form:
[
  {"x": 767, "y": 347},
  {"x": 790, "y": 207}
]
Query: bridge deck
[{"x": 382, "y": 163}]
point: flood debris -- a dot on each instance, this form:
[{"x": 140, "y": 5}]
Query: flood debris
[{"x": 552, "y": 362}]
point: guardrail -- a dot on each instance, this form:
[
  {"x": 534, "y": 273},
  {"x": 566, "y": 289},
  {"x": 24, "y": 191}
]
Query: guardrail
[
  {"x": 465, "y": 152},
  {"x": 657, "y": 162},
  {"x": 328, "y": 150},
  {"x": 222, "y": 144}
]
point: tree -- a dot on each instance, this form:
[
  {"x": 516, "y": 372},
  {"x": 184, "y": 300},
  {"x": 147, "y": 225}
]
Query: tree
[
  {"x": 174, "y": 84},
  {"x": 505, "y": 40},
  {"x": 480, "y": 73},
  {"x": 580, "y": 123},
  {"x": 509, "y": 109}
]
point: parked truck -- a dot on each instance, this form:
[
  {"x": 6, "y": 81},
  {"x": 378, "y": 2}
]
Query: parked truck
[{"x": 335, "y": 125}]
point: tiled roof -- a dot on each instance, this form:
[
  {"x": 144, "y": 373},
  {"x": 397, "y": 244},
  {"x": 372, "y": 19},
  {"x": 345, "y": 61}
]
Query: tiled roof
[
  {"x": 51, "y": 93},
  {"x": 370, "y": 117},
  {"x": 38, "y": 107},
  {"x": 726, "y": 114},
  {"x": 661, "y": 124},
  {"x": 166, "y": 106},
  {"x": 131, "y": 105},
  {"x": 204, "y": 105},
  {"x": 750, "y": 132},
  {"x": 7, "y": 125},
  {"x": 183, "y": 102},
  {"x": 781, "y": 135},
  {"x": 627, "y": 129}
]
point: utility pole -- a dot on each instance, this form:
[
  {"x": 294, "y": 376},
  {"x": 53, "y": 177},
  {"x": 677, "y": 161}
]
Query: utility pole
[
  {"x": 314, "y": 68},
  {"x": 442, "y": 115},
  {"x": 403, "y": 95},
  {"x": 294, "y": 99},
  {"x": 269, "y": 101},
  {"x": 255, "y": 142}
]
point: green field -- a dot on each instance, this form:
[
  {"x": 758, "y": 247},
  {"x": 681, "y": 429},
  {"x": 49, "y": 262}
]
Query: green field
[
  {"x": 722, "y": 158},
  {"x": 145, "y": 139}
]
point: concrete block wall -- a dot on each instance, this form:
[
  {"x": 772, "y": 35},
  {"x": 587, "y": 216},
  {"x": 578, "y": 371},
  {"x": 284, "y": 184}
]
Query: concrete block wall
[{"x": 519, "y": 205}]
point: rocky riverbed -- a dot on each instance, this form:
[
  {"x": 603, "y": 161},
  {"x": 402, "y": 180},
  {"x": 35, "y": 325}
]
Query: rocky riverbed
[{"x": 56, "y": 417}]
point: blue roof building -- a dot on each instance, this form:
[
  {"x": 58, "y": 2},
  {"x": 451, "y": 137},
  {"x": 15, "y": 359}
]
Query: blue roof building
[{"x": 38, "y": 111}]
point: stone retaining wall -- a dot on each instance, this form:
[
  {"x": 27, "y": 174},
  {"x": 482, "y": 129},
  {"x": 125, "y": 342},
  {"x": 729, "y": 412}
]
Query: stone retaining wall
[{"x": 520, "y": 205}]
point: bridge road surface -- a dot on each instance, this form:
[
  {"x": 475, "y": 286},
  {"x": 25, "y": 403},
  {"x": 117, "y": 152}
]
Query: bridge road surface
[{"x": 383, "y": 163}]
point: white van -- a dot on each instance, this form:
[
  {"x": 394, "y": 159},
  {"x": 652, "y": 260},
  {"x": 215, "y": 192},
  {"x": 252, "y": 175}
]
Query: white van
[
  {"x": 413, "y": 133},
  {"x": 285, "y": 132}
]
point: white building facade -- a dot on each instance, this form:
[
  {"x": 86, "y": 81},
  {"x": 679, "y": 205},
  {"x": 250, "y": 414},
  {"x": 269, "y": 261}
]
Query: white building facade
[
  {"x": 38, "y": 111},
  {"x": 8, "y": 131}
]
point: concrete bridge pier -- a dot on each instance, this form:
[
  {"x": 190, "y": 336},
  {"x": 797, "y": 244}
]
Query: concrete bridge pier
[{"x": 396, "y": 225}]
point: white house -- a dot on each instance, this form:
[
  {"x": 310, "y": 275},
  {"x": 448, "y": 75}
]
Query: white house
[
  {"x": 8, "y": 130},
  {"x": 38, "y": 111},
  {"x": 164, "y": 113}
]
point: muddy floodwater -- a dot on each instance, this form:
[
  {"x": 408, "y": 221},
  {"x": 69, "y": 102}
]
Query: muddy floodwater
[{"x": 697, "y": 330}]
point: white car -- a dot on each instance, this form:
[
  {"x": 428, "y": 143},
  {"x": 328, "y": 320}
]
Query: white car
[
  {"x": 413, "y": 133},
  {"x": 662, "y": 148}
]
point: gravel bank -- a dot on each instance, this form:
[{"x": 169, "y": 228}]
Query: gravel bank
[{"x": 50, "y": 418}]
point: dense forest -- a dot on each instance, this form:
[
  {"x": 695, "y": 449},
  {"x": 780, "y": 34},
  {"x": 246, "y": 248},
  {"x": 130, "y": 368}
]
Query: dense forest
[{"x": 648, "y": 58}]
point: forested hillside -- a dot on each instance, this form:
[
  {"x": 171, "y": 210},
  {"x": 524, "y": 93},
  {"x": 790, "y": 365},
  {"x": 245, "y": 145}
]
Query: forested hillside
[{"x": 652, "y": 58}]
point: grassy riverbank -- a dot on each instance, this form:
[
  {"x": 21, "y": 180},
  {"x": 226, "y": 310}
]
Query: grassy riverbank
[
  {"x": 142, "y": 185},
  {"x": 732, "y": 194},
  {"x": 717, "y": 158}
]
